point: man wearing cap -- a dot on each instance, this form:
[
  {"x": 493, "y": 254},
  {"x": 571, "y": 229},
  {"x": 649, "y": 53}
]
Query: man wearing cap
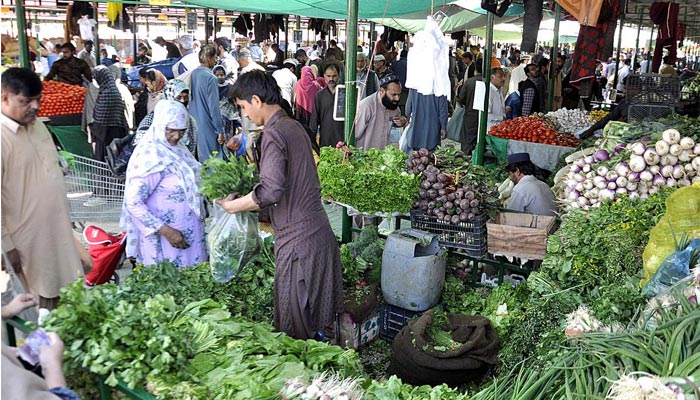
[
  {"x": 286, "y": 79},
  {"x": 173, "y": 51},
  {"x": 189, "y": 60},
  {"x": 378, "y": 113},
  {"x": 86, "y": 54},
  {"x": 380, "y": 66},
  {"x": 226, "y": 60},
  {"x": 530, "y": 195}
]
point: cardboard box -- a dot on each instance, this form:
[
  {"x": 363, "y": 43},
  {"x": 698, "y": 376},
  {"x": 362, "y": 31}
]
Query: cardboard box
[
  {"x": 519, "y": 235},
  {"x": 356, "y": 334}
]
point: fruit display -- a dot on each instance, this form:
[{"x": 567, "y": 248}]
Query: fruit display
[
  {"x": 59, "y": 98},
  {"x": 532, "y": 129}
]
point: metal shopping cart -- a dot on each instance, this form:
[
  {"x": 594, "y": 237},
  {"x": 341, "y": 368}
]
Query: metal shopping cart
[{"x": 95, "y": 195}]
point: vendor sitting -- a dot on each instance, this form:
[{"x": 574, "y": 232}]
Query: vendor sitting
[{"x": 530, "y": 195}]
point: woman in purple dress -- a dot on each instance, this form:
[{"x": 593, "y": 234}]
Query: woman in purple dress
[
  {"x": 162, "y": 211},
  {"x": 308, "y": 272}
]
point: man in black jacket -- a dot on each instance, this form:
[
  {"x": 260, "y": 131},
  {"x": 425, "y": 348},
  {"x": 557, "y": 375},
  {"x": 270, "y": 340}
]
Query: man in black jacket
[{"x": 529, "y": 92}]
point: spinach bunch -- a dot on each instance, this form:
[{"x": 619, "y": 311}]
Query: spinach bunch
[{"x": 221, "y": 178}]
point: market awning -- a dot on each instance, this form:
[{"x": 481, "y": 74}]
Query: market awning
[{"x": 335, "y": 9}]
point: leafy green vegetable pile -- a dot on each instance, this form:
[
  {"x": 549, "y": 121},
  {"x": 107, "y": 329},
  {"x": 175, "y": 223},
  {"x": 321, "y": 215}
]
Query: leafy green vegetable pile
[
  {"x": 370, "y": 181},
  {"x": 394, "y": 389},
  {"x": 221, "y": 178},
  {"x": 250, "y": 295},
  {"x": 362, "y": 259},
  {"x": 196, "y": 350}
]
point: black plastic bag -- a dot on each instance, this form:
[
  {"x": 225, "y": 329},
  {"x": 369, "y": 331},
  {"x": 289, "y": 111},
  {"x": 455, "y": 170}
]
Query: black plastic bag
[{"x": 118, "y": 154}]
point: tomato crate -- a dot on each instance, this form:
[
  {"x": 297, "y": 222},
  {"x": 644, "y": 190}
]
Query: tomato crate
[
  {"x": 468, "y": 236},
  {"x": 392, "y": 319}
]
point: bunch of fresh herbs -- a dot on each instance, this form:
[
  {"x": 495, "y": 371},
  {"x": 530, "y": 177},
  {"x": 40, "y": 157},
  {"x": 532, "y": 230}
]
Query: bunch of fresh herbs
[{"x": 221, "y": 178}]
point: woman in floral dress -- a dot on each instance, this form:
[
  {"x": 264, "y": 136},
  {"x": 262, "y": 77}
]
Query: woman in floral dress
[{"x": 162, "y": 211}]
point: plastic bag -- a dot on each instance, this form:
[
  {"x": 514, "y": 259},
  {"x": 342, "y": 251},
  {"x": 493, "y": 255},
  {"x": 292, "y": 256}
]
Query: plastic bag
[
  {"x": 233, "y": 241},
  {"x": 673, "y": 269},
  {"x": 682, "y": 216},
  {"x": 406, "y": 139},
  {"x": 454, "y": 125}
]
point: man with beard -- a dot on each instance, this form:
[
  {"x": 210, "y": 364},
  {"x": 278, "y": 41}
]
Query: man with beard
[
  {"x": 366, "y": 75},
  {"x": 36, "y": 231},
  {"x": 378, "y": 113},
  {"x": 321, "y": 120},
  {"x": 529, "y": 94},
  {"x": 558, "y": 77}
]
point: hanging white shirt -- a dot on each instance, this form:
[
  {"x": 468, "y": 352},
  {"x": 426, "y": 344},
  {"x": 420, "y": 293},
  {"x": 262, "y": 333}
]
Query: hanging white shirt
[
  {"x": 428, "y": 62},
  {"x": 86, "y": 28}
]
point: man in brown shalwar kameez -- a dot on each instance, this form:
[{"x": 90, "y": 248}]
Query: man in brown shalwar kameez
[
  {"x": 36, "y": 230},
  {"x": 308, "y": 273}
]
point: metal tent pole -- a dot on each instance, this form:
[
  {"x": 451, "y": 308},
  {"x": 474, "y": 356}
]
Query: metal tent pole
[
  {"x": 206, "y": 23},
  {"x": 478, "y": 156},
  {"x": 350, "y": 99},
  {"x": 636, "y": 47},
  {"x": 286, "y": 36},
  {"x": 96, "y": 46},
  {"x": 651, "y": 46},
  {"x": 133, "y": 29},
  {"x": 619, "y": 45},
  {"x": 553, "y": 55},
  {"x": 22, "y": 34}
]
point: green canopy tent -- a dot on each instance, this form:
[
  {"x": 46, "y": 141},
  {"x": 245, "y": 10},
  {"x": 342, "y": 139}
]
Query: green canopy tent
[{"x": 334, "y": 9}]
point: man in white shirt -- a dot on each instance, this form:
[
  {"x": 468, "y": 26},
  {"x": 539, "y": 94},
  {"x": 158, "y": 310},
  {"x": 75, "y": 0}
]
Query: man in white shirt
[
  {"x": 287, "y": 80},
  {"x": 86, "y": 54},
  {"x": 497, "y": 110},
  {"x": 645, "y": 65},
  {"x": 245, "y": 59},
  {"x": 189, "y": 60},
  {"x": 622, "y": 74},
  {"x": 518, "y": 74},
  {"x": 223, "y": 45}
]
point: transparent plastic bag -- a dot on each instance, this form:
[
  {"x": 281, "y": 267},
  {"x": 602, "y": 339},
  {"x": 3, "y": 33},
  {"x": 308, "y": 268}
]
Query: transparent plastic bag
[
  {"x": 233, "y": 241},
  {"x": 673, "y": 269}
]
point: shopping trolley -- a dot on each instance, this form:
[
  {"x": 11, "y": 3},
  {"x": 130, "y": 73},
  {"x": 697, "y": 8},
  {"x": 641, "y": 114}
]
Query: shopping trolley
[{"x": 94, "y": 193}]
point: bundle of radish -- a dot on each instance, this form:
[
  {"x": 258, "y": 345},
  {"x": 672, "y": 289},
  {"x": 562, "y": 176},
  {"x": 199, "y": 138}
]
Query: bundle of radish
[
  {"x": 636, "y": 170},
  {"x": 444, "y": 195}
]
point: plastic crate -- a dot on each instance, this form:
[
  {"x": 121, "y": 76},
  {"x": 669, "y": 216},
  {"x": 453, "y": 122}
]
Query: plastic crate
[
  {"x": 469, "y": 236},
  {"x": 653, "y": 89},
  {"x": 392, "y": 319},
  {"x": 648, "y": 112}
]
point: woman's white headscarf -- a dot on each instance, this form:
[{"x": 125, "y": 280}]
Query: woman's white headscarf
[{"x": 154, "y": 154}]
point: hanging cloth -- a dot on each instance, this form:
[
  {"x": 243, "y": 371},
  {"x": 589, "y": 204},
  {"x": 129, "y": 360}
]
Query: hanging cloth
[
  {"x": 114, "y": 10},
  {"x": 586, "y": 12},
  {"x": 666, "y": 16},
  {"x": 428, "y": 62},
  {"x": 593, "y": 43}
]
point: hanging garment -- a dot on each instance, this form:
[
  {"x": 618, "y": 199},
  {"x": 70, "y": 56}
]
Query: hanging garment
[
  {"x": 666, "y": 16},
  {"x": 114, "y": 10},
  {"x": 586, "y": 12},
  {"x": 594, "y": 43},
  {"x": 494, "y": 7},
  {"x": 531, "y": 24},
  {"x": 86, "y": 28},
  {"x": 260, "y": 27},
  {"x": 428, "y": 62},
  {"x": 243, "y": 24}
]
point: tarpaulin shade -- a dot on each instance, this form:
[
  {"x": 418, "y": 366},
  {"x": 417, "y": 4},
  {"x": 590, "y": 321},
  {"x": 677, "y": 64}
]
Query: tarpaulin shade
[{"x": 335, "y": 9}]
